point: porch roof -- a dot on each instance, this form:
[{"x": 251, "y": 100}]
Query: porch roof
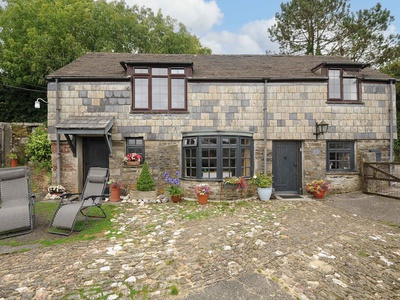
[
  {"x": 71, "y": 127},
  {"x": 87, "y": 125}
]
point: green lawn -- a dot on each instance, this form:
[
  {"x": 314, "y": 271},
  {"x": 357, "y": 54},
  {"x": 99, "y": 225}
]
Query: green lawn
[{"x": 95, "y": 227}]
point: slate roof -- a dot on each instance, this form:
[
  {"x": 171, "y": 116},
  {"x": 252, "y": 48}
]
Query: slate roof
[{"x": 96, "y": 66}]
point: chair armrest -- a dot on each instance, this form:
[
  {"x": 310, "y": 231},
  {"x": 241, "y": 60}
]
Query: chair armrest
[{"x": 93, "y": 197}]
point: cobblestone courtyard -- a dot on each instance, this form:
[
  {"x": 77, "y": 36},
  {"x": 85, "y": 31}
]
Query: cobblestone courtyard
[{"x": 299, "y": 249}]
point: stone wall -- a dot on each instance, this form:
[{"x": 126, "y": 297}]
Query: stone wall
[{"x": 292, "y": 110}]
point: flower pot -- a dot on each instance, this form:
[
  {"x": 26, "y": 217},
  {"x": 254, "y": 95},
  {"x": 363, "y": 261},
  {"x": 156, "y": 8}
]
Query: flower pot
[
  {"x": 203, "y": 199},
  {"x": 14, "y": 163},
  {"x": 132, "y": 163},
  {"x": 319, "y": 194},
  {"x": 115, "y": 194},
  {"x": 264, "y": 193},
  {"x": 176, "y": 199}
]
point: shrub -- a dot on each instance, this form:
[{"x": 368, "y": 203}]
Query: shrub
[
  {"x": 145, "y": 181},
  {"x": 38, "y": 148}
]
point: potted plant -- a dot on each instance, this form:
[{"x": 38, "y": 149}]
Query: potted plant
[
  {"x": 263, "y": 181},
  {"x": 235, "y": 182},
  {"x": 318, "y": 188},
  {"x": 174, "y": 189},
  {"x": 202, "y": 190},
  {"x": 115, "y": 190},
  {"x": 13, "y": 159},
  {"x": 133, "y": 159},
  {"x": 145, "y": 181}
]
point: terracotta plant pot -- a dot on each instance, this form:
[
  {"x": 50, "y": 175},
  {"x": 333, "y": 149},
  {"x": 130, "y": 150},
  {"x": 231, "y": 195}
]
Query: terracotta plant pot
[
  {"x": 176, "y": 199},
  {"x": 203, "y": 199},
  {"x": 14, "y": 163},
  {"x": 133, "y": 163},
  {"x": 319, "y": 195},
  {"x": 115, "y": 194}
]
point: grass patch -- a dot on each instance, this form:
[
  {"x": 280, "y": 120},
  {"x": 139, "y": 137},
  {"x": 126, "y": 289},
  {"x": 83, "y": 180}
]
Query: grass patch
[
  {"x": 95, "y": 227},
  {"x": 174, "y": 290},
  {"x": 363, "y": 253}
]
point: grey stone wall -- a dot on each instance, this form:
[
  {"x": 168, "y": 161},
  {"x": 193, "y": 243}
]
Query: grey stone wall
[{"x": 292, "y": 110}]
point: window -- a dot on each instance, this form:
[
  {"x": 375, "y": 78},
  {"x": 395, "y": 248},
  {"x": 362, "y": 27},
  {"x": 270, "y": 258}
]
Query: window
[
  {"x": 343, "y": 85},
  {"x": 135, "y": 145},
  {"x": 159, "y": 89},
  {"x": 340, "y": 156},
  {"x": 217, "y": 156}
]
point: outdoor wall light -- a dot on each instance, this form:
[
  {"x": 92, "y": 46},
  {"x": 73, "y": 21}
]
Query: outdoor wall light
[
  {"x": 320, "y": 128},
  {"x": 37, "y": 103}
]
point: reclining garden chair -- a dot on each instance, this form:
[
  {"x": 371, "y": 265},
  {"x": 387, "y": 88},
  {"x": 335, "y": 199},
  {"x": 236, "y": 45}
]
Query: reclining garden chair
[
  {"x": 17, "y": 208},
  {"x": 71, "y": 205}
]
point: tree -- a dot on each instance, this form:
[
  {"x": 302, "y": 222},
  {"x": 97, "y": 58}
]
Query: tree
[
  {"x": 145, "y": 182},
  {"x": 327, "y": 27},
  {"x": 40, "y": 36}
]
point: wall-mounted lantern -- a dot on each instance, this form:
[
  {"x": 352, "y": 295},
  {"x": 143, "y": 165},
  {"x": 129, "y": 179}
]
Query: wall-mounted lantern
[
  {"x": 37, "y": 103},
  {"x": 320, "y": 128}
]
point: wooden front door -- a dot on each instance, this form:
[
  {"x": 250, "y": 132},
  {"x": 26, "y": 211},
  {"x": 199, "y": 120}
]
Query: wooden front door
[{"x": 286, "y": 167}]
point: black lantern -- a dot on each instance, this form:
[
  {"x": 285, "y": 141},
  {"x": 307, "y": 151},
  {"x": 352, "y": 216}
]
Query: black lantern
[{"x": 320, "y": 128}]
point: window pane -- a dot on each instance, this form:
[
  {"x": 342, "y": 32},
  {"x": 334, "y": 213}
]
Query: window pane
[
  {"x": 177, "y": 93},
  {"x": 209, "y": 163},
  {"x": 177, "y": 71},
  {"x": 135, "y": 145},
  {"x": 334, "y": 84},
  {"x": 160, "y": 71},
  {"x": 209, "y": 141},
  {"x": 340, "y": 156},
  {"x": 349, "y": 89},
  {"x": 141, "y": 70},
  {"x": 160, "y": 93},
  {"x": 141, "y": 93},
  {"x": 246, "y": 166},
  {"x": 228, "y": 162},
  {"x": 190, "y": 162}
]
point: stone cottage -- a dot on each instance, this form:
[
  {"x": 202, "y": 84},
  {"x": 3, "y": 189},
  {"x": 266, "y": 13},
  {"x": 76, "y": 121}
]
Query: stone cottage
[{"x": 216, "y": 116}]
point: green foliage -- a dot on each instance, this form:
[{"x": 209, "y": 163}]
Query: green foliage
[
  {"x": 93, "y": 228},
  {"x": 41, "y": 36},
  {"x": 38, "y": 148},
  {"x": 328, "y": 27},
  {"x": 145, "y": 181},
  {"x": 174, "y": 290},
  {"x": 262, "y": 180}
]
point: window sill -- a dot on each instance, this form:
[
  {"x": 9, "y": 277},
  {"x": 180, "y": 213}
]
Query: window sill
[
  {"x": 342, "y": 172},
  {"x": 344, "y": 102},
  {"x": 159, "y": 112}
]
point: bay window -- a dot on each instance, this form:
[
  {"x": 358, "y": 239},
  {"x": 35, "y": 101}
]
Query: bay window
[{"x": 217, "y": 155}]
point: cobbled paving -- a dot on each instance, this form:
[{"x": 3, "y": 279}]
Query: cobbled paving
[{"x": 155, "y": 251}]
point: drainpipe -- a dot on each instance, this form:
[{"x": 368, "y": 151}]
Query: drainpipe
[
  {"x": 391, "y": 126},
  {"x": 265, "y": 124},
  {"x": 58, "y": 155}
]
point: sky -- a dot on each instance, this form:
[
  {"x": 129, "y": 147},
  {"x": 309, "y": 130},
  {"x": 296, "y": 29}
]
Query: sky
[{"x": 240, "y": 27}]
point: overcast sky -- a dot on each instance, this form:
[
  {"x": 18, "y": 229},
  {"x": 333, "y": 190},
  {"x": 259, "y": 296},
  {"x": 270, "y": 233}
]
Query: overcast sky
[{"x": 239, "y": 27}]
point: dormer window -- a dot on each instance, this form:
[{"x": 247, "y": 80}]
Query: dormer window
[
  {"x": 159, "y": 88},
  {"x": 343, "y": 85}
]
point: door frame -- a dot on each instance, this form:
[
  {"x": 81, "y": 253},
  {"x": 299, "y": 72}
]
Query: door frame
[{"x": 298, "y": 168}]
